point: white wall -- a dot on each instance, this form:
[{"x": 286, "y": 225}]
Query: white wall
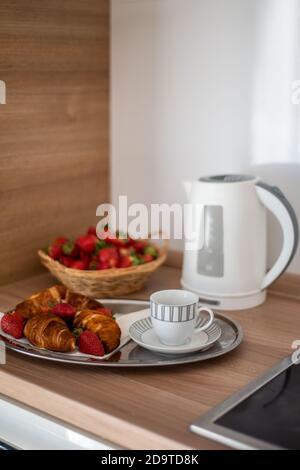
[{"x": 183, "y": 80}]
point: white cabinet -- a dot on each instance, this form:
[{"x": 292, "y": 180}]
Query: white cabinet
[{"x": 24, "y": 428}]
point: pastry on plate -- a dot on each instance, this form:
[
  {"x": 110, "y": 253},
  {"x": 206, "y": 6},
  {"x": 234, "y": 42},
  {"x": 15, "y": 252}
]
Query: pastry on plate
[
  {"x": 42, "y": 302},
  {"x": 55, "y": 319},
  {"x": 49, "y": 332},
  {"x": 106, "y": 328},
  {"x": 81, "y": 302}
]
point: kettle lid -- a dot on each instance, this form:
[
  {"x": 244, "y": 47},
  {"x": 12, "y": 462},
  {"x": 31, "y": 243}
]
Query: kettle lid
[{"x": 233, "y": 178}]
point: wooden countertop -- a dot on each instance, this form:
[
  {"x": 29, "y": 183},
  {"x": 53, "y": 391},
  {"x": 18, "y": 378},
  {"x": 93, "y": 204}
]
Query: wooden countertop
[{"x": 152, "y": 408}]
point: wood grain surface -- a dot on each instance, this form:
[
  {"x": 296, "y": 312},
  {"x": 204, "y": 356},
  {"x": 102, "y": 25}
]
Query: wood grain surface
[
  {"x": 54, "y": 144},
  {"x": 151, "y": 408}
]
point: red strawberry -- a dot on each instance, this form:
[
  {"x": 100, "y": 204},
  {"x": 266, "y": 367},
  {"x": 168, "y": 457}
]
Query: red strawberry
[
  {"x": 85, "y": 257},
  {"x": 105, "y": 311},
  {"x": 66, "y": 261},
  {"x": 79, "y": 264},
  {"x": 113, "y": 238},
  {"x": 70, "y": 249},
  {"x": 113, "y": 262},
  {"x": 12, "y": 324},
  {"x": 139, "y": 245},
  {"x": 89, "y": 343},
  {"x": 60, "y": 241},
  {"x": 94, "y": 264},
  {"x": 54, "y": 251},
  {"x": 92, "y": 231},
  {"x": 63, "y": 310},
  {"x": 125, "y": 262},
  {"x": 120, "y": 242},
  {"x": 104, "y": 265},
  {"x": 109, "y": 255},
  {"x": 120, "y": 239},
  {"x": 127, "y": 251},
  {"x": 87, "y": 243},
  {"x": 147, "y": 258},
  {"x": 106, "y": 253},
  {"x": 117, "y": 241}
]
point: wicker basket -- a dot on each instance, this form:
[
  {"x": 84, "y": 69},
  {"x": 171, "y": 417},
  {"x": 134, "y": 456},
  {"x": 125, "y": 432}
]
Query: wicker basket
[{"x": 114, "y": 282}]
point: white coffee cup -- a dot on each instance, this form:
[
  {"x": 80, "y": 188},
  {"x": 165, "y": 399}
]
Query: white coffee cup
[{"x": 175, "y": 316}]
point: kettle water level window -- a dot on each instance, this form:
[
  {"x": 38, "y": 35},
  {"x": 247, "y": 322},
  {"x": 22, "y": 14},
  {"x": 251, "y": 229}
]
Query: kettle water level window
[{"x": 211, "y": 256}]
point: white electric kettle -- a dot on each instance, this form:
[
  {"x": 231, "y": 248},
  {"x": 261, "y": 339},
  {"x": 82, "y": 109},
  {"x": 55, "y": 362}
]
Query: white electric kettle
[{"x": 225, "y": 250}]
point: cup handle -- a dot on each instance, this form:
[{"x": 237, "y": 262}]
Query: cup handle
[{"x": 200, "y": 326}]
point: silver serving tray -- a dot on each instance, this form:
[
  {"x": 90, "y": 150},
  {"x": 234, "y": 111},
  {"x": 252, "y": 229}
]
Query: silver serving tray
[{"x": 132, "y": 355}]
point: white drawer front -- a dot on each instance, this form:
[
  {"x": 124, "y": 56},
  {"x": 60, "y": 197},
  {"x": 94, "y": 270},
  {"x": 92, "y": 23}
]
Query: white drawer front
[{"x": 22, "y": 428}]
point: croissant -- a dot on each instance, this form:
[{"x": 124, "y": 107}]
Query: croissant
[
  {"x": 81, "y": 302},
  {"x": 49, "y": 332},
  {"x": 42, "y": 302},
  {"x": 105, "y": 327}
]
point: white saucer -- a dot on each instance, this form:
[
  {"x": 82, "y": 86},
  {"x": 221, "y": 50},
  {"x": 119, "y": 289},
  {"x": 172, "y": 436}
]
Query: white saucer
[{"x": 143, "y": 334}]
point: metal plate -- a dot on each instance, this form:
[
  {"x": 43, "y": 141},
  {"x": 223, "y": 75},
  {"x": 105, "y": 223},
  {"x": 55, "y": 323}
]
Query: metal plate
[{"x": 133, "y": 355}]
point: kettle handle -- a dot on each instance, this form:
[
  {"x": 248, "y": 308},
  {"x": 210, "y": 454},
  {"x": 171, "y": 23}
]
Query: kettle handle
[{"x": 273, "y": 199}]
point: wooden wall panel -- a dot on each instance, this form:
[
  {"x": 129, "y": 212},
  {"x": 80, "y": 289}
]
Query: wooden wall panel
[{"x": 54, "y": 144}]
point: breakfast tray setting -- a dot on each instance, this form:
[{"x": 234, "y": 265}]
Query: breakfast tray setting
[{"x": 129, "y": 353}]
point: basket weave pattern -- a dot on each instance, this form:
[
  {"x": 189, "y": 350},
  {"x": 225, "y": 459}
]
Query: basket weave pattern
[{"x": 115, "y": 282}]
